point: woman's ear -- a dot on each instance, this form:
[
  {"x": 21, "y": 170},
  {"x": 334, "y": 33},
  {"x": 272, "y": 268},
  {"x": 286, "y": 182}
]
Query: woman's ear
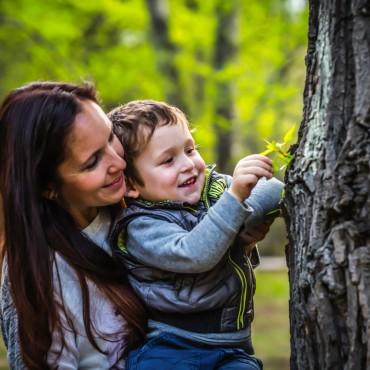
[{"x": 50, "y": 194}]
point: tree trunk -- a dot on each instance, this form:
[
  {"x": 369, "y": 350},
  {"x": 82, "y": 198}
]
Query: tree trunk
[{"x": 327, "y": 202}]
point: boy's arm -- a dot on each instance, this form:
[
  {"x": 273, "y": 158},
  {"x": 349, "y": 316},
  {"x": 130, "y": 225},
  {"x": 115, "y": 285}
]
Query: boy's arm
[
  {"x": 167, "y": 246},
  {"x": 264, "y": 200}
]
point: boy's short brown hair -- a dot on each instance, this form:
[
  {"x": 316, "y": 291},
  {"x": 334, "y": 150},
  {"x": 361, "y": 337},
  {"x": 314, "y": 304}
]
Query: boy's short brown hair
[{"x": 134, "y": 124}]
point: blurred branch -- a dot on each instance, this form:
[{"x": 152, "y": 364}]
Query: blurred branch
[
  {"x": 166, "y": 49},
  {"x": 225, "y": 50}
]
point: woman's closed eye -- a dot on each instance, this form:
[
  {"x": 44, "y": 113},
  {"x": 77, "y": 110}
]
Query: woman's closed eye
[
  {"x": 92, "y": 163},
  {"x": 94, "y": 159}
]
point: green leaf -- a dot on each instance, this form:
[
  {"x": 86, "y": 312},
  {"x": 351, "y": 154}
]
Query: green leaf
[
  {"x": 280, "y": 145},
  {"x": 267, "y": 152},
  {"x": 275, "y": 166},
  {"x": 288, "y": 137}
]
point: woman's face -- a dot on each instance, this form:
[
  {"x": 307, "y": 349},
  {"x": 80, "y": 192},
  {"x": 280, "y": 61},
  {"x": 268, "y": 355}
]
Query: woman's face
[{"x": 92, "y": 172}]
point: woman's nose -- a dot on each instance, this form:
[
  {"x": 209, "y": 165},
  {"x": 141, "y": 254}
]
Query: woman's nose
[{"x": 117, "y": 162}]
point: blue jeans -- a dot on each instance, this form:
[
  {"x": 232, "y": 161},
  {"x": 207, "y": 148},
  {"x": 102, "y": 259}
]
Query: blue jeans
[{"x": 169, "y": 352}]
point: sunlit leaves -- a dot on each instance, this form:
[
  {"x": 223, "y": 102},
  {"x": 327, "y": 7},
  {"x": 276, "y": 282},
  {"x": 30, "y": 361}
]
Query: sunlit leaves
[
  {"x": 279, "y": 151},
  {"x": 109, "y": 41}
]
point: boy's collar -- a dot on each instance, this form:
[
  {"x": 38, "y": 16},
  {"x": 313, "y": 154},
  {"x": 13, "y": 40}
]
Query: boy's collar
[{"x": 207, "y": 180}]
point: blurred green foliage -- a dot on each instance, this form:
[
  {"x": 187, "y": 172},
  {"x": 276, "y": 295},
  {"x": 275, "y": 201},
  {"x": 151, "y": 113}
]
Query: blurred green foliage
[
  {"x": 202, "y": 55},
  {"x": 271, "y": 337}
]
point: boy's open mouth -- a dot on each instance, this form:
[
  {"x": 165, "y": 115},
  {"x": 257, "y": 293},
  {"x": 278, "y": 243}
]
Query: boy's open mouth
[{"x": 188, "y": 182}]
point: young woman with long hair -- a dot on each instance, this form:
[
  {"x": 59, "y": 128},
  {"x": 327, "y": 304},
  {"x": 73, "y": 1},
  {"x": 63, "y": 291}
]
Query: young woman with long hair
[{"x": 65, "y": 301}]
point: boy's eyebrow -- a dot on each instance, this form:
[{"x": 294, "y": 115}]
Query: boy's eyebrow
[
  {"x": 170, "y": 148},
  {"x": 165, "y": 151}
]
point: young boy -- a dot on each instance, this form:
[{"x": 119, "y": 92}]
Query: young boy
[{"x": 177, "y": 237}]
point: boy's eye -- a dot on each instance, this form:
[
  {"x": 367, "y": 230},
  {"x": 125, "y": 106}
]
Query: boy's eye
[
  {"x": 167, "y": 160},
  {"x": 191, "y": 149}
]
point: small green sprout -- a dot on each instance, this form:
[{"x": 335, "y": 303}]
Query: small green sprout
[{"x": 280, "y": 151}]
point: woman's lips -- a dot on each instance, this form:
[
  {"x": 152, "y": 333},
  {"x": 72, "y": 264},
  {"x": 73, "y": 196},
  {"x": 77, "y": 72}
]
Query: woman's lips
[{"x": 117, "y": 183}]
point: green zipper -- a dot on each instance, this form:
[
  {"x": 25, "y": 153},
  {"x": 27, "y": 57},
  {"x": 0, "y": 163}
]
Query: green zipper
[
  {"x": 243, "y": 299},
  {"x": 238, "y": 270},
  {"x": 205, "y": 190}
]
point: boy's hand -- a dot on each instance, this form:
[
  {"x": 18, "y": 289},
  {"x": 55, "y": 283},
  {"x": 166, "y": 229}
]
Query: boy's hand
[{"x": 246, "y": 174}]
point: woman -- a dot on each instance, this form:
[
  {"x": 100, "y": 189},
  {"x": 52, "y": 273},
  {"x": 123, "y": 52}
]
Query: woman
[{"x": 61, "y": 167}]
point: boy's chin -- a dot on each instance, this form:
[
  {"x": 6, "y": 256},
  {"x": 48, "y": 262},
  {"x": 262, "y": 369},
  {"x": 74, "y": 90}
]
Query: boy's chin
[{"x": 192, "y": 200}]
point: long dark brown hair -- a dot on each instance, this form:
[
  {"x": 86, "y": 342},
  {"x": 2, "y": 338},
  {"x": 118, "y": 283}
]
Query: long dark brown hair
[{"x": 35, "y": 122}]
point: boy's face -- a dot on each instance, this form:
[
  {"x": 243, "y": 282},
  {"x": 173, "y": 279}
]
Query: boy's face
[{"x": 170, "y": 166}]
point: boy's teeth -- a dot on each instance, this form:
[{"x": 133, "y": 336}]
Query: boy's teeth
[{"x": 190, "y": 181}]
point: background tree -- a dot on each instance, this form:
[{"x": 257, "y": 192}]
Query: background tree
[
  {"x": 224, "y": 54},
  {"x": 327, "y": 196},
  {"x": 165, "y": 50}
]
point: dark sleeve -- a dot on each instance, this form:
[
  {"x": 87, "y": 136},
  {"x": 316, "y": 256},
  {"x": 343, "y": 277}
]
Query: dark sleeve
[
  {"x": 9, "y": 323},
  {"x": 254, "y": 257}
]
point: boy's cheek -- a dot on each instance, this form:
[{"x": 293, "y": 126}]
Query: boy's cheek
[{"x": 202, "y": 164}]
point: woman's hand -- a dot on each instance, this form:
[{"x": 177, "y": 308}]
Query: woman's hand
[{"x": 248, "y": 238}]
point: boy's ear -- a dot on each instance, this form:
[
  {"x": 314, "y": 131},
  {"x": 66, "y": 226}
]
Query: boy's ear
[{"x": 132, "y": 191}]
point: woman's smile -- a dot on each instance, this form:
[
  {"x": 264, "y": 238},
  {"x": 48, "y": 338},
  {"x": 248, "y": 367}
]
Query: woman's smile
[{"x": 116, "y": 184}]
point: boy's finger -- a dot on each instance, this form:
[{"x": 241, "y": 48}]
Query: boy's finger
[
  {"x": 255, "y": 163},
  {"x": 248, "y": 179},
  {"x": 258, "y": 157},
  {"x": 255, "y": 170}
]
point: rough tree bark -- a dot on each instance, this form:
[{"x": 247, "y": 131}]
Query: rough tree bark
[{"x": 327, "y": 201}]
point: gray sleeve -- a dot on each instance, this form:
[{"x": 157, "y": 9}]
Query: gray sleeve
[
  {"x": 264, "y": 200},
  {"x": 9, "y": 323},
  {"x": 167, "y": 246}
]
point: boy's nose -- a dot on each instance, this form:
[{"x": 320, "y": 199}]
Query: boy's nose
[{"x": 187, "y": 164}]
